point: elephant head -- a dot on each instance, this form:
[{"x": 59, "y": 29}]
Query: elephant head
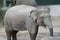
[{"x": 42, "y": 17}]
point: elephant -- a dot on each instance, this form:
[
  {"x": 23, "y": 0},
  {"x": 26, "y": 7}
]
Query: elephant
[
  {"x": 24, "y": 17},
  {"x": 26, "y": 2}
]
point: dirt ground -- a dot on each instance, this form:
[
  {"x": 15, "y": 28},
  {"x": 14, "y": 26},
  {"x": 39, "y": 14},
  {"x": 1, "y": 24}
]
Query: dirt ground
[{"x": 24, "y": 35}]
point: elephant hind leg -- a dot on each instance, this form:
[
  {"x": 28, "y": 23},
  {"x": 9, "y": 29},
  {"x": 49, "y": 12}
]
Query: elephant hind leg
[
  {"x": 8, "y": 36},
  {"x": 8, "y": 33},
  {"x": 11, "y": 33},
  {"x": 14, "y": 37}
]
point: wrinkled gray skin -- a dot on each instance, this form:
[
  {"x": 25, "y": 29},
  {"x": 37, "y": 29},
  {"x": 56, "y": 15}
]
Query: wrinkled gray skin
[
  {"x": 26, "y": 2},
  {"x": 23, "y": 17}
]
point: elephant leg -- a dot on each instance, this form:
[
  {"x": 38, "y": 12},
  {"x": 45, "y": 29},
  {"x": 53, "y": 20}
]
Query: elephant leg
[
  {"x": 34, "y": 34},
  {"x": 8, "y": 35},
  {"x": 14, "y": 37},
  {"x": 48, "y": 22},
  {"x": 51, "y": 31}
]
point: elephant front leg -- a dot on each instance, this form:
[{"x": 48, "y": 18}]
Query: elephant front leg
[
  {"x": 8, "y": 36},
  {"x": 48, "y": 22},
  {"x": 33, "y": 33},
  {"x": 51, "y": 31}
]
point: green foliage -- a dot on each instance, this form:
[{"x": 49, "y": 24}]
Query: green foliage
[
  {"x": 1, "y": 15},
  {"x": 7, "y": 3},
  {"x": 2, "y": 12},
  {"x": 0, "y": 3}
]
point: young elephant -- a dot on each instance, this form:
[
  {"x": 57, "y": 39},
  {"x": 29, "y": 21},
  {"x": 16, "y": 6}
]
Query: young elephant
[{"x": 23, "y": 17}]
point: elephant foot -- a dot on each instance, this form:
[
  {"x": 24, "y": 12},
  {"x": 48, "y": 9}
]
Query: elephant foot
[{"x": 51, "y": 32}]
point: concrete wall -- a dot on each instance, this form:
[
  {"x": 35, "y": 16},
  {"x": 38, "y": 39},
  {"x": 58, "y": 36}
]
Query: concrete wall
[{"x": 55, "y": 10}]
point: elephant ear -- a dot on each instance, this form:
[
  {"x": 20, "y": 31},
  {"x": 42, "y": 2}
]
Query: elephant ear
[{"x": 34, "y": 14}]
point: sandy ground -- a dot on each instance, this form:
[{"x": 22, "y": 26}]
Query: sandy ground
[{"x": 24, "y": 35}]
